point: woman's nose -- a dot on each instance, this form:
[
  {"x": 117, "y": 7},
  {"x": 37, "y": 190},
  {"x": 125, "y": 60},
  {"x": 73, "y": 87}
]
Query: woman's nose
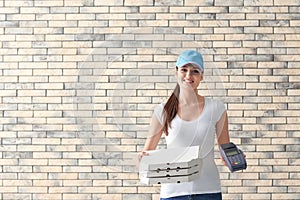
[{"x": 189, "y": 73}]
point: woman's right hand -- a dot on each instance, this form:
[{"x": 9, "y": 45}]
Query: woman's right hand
[{"x": 141, "y": 154}]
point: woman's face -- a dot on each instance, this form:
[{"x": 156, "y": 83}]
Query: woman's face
[{"x": 189, "y": 76}]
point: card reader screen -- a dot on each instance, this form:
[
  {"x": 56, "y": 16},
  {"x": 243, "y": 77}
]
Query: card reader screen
[{"x": 231, "y": 153}]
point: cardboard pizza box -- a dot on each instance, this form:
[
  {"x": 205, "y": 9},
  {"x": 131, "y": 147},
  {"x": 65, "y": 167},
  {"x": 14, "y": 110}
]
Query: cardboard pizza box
[
  {"x": 173, "y": 165},
  {"x": 171, "y": 172},
  {"x": 183, "y": 157},
  {"x": 171, "y": 179}
]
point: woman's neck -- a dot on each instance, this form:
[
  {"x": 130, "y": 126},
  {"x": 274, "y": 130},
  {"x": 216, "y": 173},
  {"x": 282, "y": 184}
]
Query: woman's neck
[
  {"x": 188, "y": 97},
  {"x": 190, "y": 105}
]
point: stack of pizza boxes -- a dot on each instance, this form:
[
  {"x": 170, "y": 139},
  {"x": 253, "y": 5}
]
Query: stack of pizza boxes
[{"x": 174, "y": 165}]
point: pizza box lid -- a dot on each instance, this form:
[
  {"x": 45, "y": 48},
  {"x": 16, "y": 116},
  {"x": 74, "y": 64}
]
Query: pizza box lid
[{"x": 173, "y": 158}]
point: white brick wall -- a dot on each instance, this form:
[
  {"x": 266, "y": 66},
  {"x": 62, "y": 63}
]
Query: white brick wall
[{"x": 79, "y": 80}]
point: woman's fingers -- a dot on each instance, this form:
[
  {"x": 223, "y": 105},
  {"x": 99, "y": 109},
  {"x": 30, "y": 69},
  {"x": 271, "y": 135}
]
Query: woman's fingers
[
  {"x": 141, "y": 154},
  {"x": 223, "y": 161}
]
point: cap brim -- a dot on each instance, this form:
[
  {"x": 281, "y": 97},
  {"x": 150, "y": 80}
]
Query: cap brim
[{"x": 192, "y": 63}]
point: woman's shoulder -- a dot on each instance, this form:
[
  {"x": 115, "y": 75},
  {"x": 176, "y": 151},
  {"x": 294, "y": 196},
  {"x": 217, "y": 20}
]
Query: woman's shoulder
[
  {"x": 215, "y": 104},
  {"x": 211, "y": 100},
  {"x": 160, "y": 105},
  {"x": 159, "y": 112}
]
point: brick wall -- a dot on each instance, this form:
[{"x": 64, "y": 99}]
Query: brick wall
[{"x": 79, "y": 80}]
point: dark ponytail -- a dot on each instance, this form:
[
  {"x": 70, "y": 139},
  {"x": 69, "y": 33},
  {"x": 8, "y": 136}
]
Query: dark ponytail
[{"x": 171, "y": 109}]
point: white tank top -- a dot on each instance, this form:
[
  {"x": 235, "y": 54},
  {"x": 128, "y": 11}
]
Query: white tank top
[{"x": 193, "y": 133}]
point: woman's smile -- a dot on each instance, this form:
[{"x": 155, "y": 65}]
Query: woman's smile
[{"x": 188, "y": 81}]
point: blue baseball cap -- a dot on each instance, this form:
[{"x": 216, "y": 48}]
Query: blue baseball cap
[{"x": 190, "y": 57}]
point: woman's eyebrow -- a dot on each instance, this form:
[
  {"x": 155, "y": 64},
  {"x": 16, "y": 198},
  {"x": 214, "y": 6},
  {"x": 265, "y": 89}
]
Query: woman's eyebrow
[{"x": 192, "y": 66}]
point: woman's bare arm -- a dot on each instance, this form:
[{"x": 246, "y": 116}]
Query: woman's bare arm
[
  {"x": 154, "y": 134},
  {"x": 222, "y": 131}
]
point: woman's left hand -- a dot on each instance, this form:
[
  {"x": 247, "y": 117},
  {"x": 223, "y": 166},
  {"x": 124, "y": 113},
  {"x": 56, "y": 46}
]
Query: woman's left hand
[{"x": 224, "y": 162}]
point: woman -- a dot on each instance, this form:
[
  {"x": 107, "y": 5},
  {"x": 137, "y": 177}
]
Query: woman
[{"x": 189, "y": 119}]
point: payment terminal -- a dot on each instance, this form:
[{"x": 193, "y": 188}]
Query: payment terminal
[{"x": 233, "y": 157}]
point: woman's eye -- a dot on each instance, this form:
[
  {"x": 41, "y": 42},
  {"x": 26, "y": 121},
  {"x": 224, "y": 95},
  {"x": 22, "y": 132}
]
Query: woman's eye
[{"x": 196, "y": 72}]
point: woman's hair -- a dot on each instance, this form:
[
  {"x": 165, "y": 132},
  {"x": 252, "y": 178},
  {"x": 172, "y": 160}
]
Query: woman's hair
[{"x": 171, "y": 109}]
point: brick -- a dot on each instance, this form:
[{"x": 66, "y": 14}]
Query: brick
[
  {"x": 160, "y": 23},
  {"x": 244, "y": 79},
  {"x": 141, "y": 3},
  {"x": 169, "y": 3},
  {"x": 53, "y": 183},
  {"x": 76, "y": 169},
  {"x": 229, "y": 3},
  {"x": 31, "y": 10},
  {"x": 274, "y": 176},
  {"x": 65, "y": 10},
  {"x": 176, "y": 9},
  {"x": 77, "y": 182},
  {"x": 128, "y": 23},
  {"x": 16, "y": 196},
  {"x": 138, "y": 196},
  {"x": 108, "y": 196},
  {"x": 207, "y": 3},
  {"x": 110, "y": 3},
  {"x": 9, "y": 190},
  {"x": 272, "y": 37},
  {"x": 8, "y": 93},
  {"x": 288, "y": 2},
  {"x": 46, "y": 196},
  {"x": 264, "y": 16},
  {"x": 61, "y": 190},
  {"x": 94, "y": 175},
  {"x": 231, "y": 196},
  {"x": 259, "y": 30},
  {"x": 275, "y": 9},
  {"x": 233, "y": 190},
  {"x": 244, "y": 121},
  {"x": 244, "y": 23},
  {"x": 229, "y": 30},
  {"x": 285, "y": 30},
  {"x": 32, "y": 190},
  {"x": 126, "y": 190},
  {"x": 293, "y": 189},
  {"x": 284, "y": 195},
  {"x": 156, "y": 9},
  {"x": 257, "y": 196},
  {"x": 241, "y": 51},
  {"x": 40, "y": 3},
  {"x": 13, "y": 17},
  {"x": 17, "y": 182},
  {"x": 107, "y": 183},
  {"x": 92, "y": 190},
  {"x": 78, "y": 3},
  {"x": 213, "y": 23}
]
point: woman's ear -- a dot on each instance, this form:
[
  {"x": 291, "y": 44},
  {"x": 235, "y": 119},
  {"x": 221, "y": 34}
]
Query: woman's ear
[
  {"x": 202, "y": 77},
  {"x": 176, "y": 71}
]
